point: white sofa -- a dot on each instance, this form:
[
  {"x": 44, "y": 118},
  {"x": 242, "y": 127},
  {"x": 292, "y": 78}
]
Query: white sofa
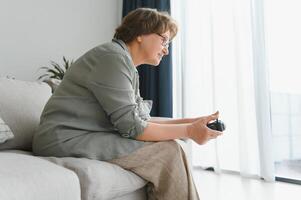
[{"x": 27, "y": 177}]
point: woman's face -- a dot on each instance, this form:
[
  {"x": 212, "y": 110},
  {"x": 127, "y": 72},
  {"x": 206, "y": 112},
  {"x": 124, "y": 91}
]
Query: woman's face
[{"x": 154, "y": 46}]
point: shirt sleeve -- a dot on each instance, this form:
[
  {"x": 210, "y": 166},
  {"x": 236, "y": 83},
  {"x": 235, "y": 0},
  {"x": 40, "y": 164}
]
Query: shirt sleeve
[
  {"x": 111, "y": 81},
  {"x": 144, "y": 107}
]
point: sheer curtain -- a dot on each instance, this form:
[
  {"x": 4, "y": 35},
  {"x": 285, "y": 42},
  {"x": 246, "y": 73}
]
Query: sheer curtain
[{"x": 219, "y": 65}]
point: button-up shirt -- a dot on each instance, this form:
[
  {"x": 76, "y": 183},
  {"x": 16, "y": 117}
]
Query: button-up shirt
[{"x": 96, "y": 112}]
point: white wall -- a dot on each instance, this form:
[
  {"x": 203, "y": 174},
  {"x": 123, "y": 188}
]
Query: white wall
[{"x": 33, "y": 32}]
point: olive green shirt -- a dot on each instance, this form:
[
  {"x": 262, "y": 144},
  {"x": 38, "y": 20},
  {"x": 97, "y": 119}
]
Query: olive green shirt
[{"x": 96, "y": 112}]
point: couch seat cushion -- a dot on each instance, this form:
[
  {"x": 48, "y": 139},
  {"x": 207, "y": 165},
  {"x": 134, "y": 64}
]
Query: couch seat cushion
[
  {"x": 101, "y": 180},
  {"x": 31, "y": 178}
]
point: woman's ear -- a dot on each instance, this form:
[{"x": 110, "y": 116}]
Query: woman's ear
[{"x": 139, "y": 39}]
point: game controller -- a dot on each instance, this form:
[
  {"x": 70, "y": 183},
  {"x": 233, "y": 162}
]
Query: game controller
[{"x": 217, "y": 125}]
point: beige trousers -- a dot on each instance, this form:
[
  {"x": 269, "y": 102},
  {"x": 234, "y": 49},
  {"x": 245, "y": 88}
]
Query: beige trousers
[{"x": 165, "y": 167}]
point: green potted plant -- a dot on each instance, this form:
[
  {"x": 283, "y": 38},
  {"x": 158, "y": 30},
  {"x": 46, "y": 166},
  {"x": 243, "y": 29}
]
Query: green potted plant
[
  {"x": 56, "y": 71},
  {"x": 55, "y": 74}
]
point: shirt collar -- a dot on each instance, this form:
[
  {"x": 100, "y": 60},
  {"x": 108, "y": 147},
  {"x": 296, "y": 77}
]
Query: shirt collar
[{"x": 123, "y": 45}]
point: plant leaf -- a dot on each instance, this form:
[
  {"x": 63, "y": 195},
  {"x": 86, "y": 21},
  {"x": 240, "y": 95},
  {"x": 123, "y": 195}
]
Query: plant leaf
[
  {"x": 44, "y": 68},
  {"x": 66, "y": 63},
  {"x": 57, "y": 67},
  {"x": 52, "y": 71},
  {"x": 64, "y": 59},
  {"x": 44, "y": 75}
]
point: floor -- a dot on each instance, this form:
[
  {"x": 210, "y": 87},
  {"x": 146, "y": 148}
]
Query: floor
[{"x": 212, "y": 186}]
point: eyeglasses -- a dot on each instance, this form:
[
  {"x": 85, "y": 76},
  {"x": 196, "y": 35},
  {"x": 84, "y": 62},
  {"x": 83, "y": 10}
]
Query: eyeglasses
[{"x": 165, "y": 42}]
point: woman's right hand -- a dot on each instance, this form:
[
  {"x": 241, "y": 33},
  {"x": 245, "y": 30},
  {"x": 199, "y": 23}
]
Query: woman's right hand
[{"x": 199, "y": 132}]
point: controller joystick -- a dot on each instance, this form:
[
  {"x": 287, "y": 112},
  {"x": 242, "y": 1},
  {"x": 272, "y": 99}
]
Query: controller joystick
[{"x": 217, "y": 125}]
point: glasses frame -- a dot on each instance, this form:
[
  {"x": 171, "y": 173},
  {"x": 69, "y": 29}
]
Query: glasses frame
[{"x": 165, "y": 42}]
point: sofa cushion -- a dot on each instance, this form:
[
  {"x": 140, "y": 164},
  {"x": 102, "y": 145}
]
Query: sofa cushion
[
  {"x": 101, "y": 180},
  {"x": 21, "y": 104},
  {"x": 5, "y": 132},
  {"x": 137, "y": 195},
  {"x": 31, "y": 178}
]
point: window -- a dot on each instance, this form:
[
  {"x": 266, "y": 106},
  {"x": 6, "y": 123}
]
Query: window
[{"x": 283, "y": 45}]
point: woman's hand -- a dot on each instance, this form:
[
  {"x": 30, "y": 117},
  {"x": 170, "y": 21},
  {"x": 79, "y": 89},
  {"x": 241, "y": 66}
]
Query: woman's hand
[{"x": 199, "y": 132}]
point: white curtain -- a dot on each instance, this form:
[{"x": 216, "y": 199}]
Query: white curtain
[{"x": 216, "y": 66}]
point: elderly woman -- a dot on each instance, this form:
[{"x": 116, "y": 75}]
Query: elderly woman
[{"x": 97, "y": 112}]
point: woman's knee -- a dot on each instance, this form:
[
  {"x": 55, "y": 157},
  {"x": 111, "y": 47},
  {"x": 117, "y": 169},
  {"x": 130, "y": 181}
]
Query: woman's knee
[{"x": 172, "y": 148}]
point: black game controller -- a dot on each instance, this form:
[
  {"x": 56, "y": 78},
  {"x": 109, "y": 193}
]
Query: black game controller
[{"x": 217, "y": 125}]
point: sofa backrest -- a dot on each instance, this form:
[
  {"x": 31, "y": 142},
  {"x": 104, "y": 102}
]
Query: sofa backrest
[{"x": 21, "y": 104}]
